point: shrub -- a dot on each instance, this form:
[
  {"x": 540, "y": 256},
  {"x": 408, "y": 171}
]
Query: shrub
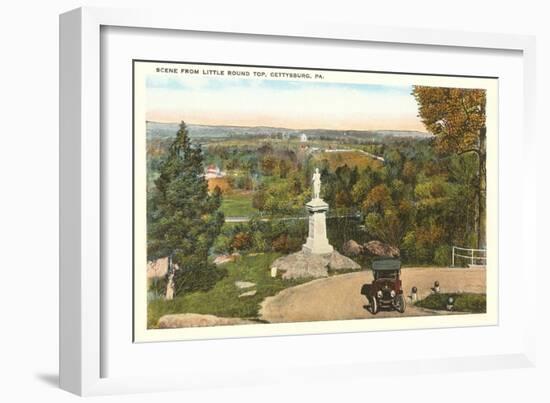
[
  {"x": 408, "y": 247},
  {"x": 188, "y": 280},
  {"x": 259, "y": 244},
  {"x": 475, "y": 303},
  {"x": 442, "y": 255},
  {"x": 280, "y": 244},
  {"x": 222, "y": 244},
  {"x": 198, "y": 278},
  {"x": 287, "y": 242},
  {"x": 471, "y": 303},
  {"x": 258, "y": 199},
  {"x": 241, "y": 241}
]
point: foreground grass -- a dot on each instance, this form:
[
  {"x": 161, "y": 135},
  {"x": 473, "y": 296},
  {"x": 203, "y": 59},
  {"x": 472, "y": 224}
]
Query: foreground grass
[
  {"x": 474, "y": 303},
  {"x": 237, "y": 205},
  {"x": 223, "y": 299}
]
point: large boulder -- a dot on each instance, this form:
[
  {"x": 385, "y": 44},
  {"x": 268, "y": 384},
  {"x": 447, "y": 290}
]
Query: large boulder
[
  {"x": 340, "y": 262},
  {"x": 380, "y": 249},
  {"x": 157, "y": 268},
  {"x": 352, "y": 248},
  {"x": 301, "y": 265},
  {"x": 222, "y": 259},
  {"x": 306, "y": 265},
  {"x": 244, "y": 284},
  {"x": 175, "y": 321}
]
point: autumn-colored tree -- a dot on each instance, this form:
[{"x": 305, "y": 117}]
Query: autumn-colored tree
[
  {"x": 409, "y": 172},
  {"x": 343, "y": 199},
  {"x": 378, "y": 199},
  {"x": 241, "y": 241},
  {"x": 268, "y": 165},
  {"x": 387, "y": 218},
  {"x": 456, "y": 116},
  {"x": 284, "y": 168},
  {"x": 258, "y": 199},
  {"x": 280, "y": 244}
]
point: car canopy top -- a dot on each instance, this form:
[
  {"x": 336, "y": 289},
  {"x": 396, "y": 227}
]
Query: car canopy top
[{"x": 386, "y": 264}]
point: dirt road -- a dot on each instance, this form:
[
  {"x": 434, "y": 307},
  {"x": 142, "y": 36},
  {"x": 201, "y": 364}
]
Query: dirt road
[{"x": 338, "y": 297}]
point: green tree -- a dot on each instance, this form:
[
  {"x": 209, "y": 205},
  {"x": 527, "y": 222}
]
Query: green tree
[
  {"x": 268, "y": 165},
  {"x": 184, "y": 219},
  {"x": 284, "y": 168}
]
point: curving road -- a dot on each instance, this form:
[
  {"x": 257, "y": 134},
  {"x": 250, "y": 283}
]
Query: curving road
[{"x": 338, "y": 297}]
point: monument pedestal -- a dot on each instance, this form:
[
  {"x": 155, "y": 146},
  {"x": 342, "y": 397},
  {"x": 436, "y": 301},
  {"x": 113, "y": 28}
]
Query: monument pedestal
[{"x": 317, "y": 241}]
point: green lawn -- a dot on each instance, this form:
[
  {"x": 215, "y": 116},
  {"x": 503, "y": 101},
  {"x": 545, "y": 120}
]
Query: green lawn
[
  {"x": 223, "y": 299},
  {"x": 238, "y": 205}
]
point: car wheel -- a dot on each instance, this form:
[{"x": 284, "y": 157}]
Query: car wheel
[
  {"x": 400, "y": 303},
  {"x": 373, "y": 306}
]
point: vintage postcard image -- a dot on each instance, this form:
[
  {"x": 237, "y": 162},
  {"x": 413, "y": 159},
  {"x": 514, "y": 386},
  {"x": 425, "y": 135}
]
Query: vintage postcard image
[{"x": 281, "y": 201}]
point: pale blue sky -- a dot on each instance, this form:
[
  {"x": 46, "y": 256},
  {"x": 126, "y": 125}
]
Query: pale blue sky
[{"x": 281, "y": 103}]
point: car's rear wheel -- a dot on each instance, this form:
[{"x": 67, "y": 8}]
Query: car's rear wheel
[
  {"x": 400, "y": 303},
  {"x": 373, "y": 306}
]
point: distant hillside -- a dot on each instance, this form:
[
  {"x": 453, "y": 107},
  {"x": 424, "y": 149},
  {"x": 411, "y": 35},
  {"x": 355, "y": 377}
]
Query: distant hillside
[
  {"x": 352, "y": 159},
  {"x": 167, "y": 130}
]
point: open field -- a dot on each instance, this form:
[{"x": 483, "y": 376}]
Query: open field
[
  {"x": 238, "y": 204},
  {"x": 222, "y": 183},
  {"x": 350, "y": 158}
]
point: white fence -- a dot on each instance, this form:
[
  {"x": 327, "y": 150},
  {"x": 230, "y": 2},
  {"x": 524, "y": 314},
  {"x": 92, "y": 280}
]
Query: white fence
[{"x": 474, "y": 257}]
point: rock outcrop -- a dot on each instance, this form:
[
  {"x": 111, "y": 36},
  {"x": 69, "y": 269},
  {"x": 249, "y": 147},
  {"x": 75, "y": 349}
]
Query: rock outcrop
[
  {"x": 377, "y": 248},
  {"x": 306, "y": 265},
  {"x": 244, "y": 284},
  {"x": 222, "y": 259},
  {"x": 352, "y": 248},
  {"x": 157, "y": 268},
  {"x": 372, "y": 248},
  {"x": 175, "y": 321}
]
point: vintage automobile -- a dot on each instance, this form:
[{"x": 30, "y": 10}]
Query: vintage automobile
[{"x": 385, "y": 292}]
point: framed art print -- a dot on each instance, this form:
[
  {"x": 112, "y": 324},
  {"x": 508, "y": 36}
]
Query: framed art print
[
  {"x": 237, "y": 197},
  {"x": 268, "y": 198}
]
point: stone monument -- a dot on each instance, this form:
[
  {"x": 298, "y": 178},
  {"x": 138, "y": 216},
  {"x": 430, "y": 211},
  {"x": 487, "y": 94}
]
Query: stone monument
[
  {"x": 317, "y": 241},
  {"x": 317, "y": 256}
]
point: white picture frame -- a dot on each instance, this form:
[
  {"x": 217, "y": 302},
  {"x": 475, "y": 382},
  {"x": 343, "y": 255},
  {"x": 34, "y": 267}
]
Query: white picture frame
[{"x": 83, "y": 307}]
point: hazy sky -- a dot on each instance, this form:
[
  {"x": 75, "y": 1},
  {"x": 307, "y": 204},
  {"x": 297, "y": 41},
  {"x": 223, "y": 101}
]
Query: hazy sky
[{"x": 280, "y": 103}]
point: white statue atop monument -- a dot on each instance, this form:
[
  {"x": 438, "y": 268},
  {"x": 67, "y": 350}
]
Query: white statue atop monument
[{"x": 316, "y": 184}]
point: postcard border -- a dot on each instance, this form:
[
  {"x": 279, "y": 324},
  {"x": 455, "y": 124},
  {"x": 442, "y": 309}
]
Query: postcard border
[{"x": 490, "y": 318}]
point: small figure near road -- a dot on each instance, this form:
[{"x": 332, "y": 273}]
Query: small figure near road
[
  {"x": 414, "y": 294},
  {"x": 435, "y": 288}
]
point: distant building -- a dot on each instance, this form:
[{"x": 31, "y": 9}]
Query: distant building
[
  {"x": 303, "y": 138},
  {"x": 213, "y": 171}
]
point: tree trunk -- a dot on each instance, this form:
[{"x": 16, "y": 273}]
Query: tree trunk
[
  {"x": 170, "y": 287},
  {"x": 481, "y": 188}
]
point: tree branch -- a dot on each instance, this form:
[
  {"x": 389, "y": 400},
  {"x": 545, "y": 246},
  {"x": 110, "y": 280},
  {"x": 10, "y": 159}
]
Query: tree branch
[{"x": 471, "y": 150}]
